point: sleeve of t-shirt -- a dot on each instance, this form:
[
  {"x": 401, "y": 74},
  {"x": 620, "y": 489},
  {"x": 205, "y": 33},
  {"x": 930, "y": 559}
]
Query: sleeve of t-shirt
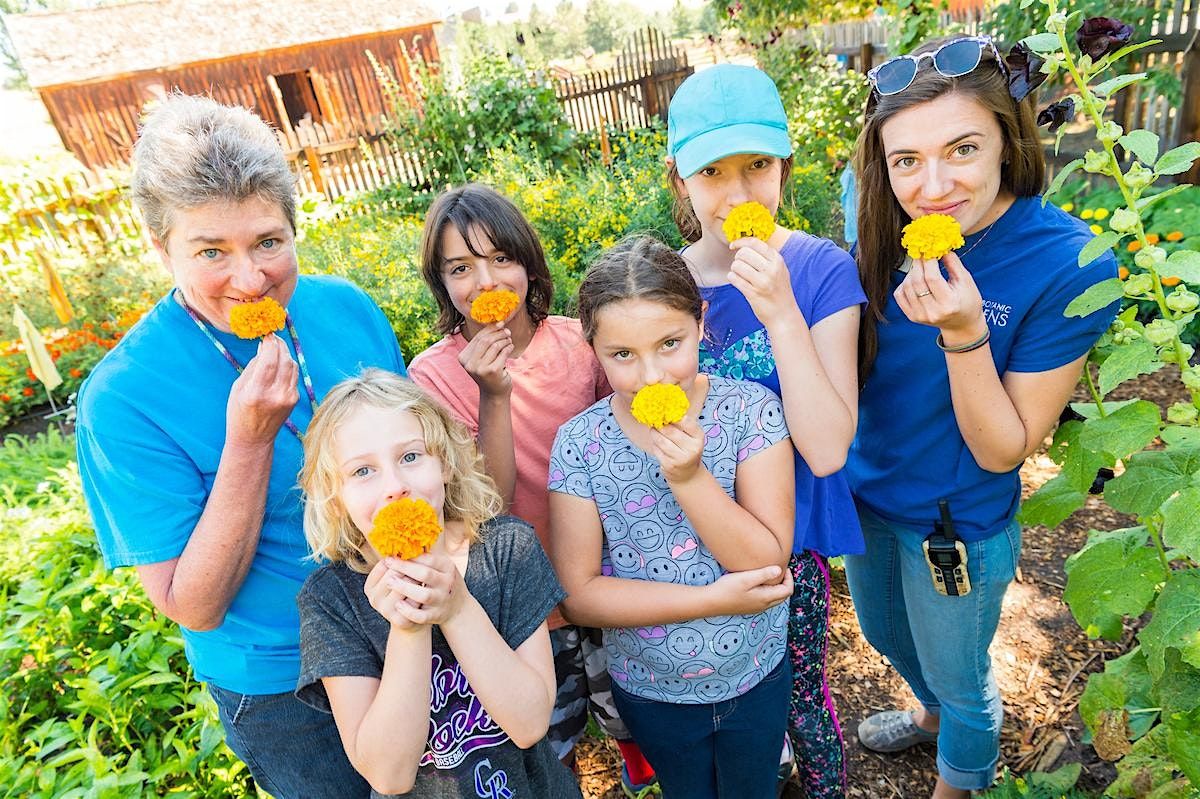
[
  {"x": 1046, "y": 339},
  {"x": 835, "y": 275},
  {"x": 764, "y": 424},
  {"x": 568, "y": 473},
  {"x": 530, "y": 589},
  {"x": 138, "y": 521},
  {"x": 331, "y": 642},
  {"x": 431, "y": 369}
]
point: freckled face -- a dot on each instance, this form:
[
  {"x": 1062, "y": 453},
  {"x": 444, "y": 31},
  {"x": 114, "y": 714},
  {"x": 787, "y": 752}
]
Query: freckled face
[
  {"x": 944, "y": 157},
  {"x": 466, "y": 275},
  {"x": 381, "y": 457},
  {"x": 728, "y": 182},
  {"x": 224, "y": 253},
  {"x": 639, "y": 342}
]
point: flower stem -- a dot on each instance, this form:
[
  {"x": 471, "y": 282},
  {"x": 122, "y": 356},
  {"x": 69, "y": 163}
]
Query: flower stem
[{"x": 1091, "y": 384}]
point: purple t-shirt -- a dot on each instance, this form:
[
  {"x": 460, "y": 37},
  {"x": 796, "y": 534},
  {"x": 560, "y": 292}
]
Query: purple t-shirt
[{"x": 825, "y": 281}]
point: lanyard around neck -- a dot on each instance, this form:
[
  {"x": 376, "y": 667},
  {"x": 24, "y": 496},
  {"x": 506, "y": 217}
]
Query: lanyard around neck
[{"x": 221, "y": 348}]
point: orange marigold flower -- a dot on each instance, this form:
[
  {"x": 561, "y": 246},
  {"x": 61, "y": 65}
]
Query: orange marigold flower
[
  {"x": 1175, "y": 235},
  {"x": 5, "y": 398},
  {"x": 1134, "y": 246},
  {"x": 931, "y": 236},
  {"x": 1171, "y": 280},
  {"x": 659, "y": 404},
  {"x": 75, "y": 373},
  {"x": 405, "y": 528},
  {"x": 494, "y": 306},
  {"x": 27, "y": 391},
  {"x": 29, "y": 374},
  {"x": 1152, "y": 238},
  {"x": 748, "y": 220},
  {"x": 1122, "y": 272},
  {"x": 257, "y": 319}
]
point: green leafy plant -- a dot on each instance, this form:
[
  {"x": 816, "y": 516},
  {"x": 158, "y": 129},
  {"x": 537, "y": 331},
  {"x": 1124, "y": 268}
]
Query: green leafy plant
[
  {"x": 1059, "y": 784},
  {"x": 1143, "y": 711}
]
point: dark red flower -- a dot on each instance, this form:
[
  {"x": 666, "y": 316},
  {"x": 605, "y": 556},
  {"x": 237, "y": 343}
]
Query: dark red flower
[
  {"x": 1101, "y": 36},
  {"x": 1024, "y": 71},
  {"x": 1057, "y": 114}
]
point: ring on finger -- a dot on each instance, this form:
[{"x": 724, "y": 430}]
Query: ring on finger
[{"x": 923, "y": 293}]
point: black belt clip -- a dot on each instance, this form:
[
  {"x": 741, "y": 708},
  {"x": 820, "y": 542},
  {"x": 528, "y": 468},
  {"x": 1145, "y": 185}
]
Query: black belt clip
[{"x": 947, "y": 556}]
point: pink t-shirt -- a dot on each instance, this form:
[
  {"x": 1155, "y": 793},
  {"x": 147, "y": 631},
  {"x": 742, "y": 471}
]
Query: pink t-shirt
[{"x": 556, "y": 377}]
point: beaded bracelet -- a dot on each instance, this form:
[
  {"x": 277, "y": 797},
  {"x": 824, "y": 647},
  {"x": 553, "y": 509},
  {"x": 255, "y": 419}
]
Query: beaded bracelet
[{"x": 969, "y": 346}]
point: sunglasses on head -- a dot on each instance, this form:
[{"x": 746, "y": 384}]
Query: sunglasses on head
[{"x": 953, "y": 59}]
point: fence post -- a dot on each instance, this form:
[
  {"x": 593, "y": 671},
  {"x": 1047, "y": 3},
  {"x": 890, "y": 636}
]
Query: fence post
[
  {"x": 314, "y": 167},
  {"x": 866, "y": 57},
  {"x": 1189, "y": 115}
]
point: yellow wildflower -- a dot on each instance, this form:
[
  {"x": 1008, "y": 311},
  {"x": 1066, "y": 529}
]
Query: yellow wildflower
[
  {"x": 1096, "y": 229},
  {"x": 748, "y": 219},
  {"x": 405, "y": 528},
  {"x": 659, "y": 404},
  {"x": 494, "y": 306},
  {"x": 1087, "y": 213},
  {"x": 931, "y": 236},
  {"x": 1102, "y": 213},
  {"x": 1068, "y": 207},
  {"x": 257, "y": 319}
]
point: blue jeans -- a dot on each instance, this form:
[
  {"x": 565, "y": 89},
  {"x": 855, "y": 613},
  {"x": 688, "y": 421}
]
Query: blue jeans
[
  {"x": 293, "y": 750},
  {"x": 728, "y": 749},
  {"x": 939, "y": 644}
]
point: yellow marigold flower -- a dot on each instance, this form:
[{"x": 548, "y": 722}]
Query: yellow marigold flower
[
  {"x": 1068, "y": 207},
  {"x": 494, "y": 306},
  {"x": 748, "y": 219},
  {"x": 659, "y": 404},
  {"x": 1152, "y": 238},
  {"x": 1096, "y": 229},
  {"x": 1101, "y": 213},
  {"x": 404, "y": 528},
  {"x": 257, "y": 319},
  {"x": 1175, "y": 235},
  {"x": 1086, "y": 213},
  {"x": 931, "y": 236}
]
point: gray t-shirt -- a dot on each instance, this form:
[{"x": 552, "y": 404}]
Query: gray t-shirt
[
  {"x": 467, "y": 754},
  {"x": 648, "y": 537}
]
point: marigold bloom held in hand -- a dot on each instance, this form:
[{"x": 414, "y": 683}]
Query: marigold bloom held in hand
[
  {"x": 257, "y": 319},
  {"x": 748, "y": 220},
  {"x": 405, "y": 528},
  {"x": 659, "y": 404},
  {"x": 931, "y": 236},
  {"x": 494, "y": 306}
]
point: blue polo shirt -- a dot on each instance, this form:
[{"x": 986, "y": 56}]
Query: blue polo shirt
[
  {"x": 909, "y": 452},
  {"x": 150, "y": 432}
]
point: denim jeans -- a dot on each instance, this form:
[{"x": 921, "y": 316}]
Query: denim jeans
[
  {"x": 939, "y": 644},
  {"x": 293, "y": 750},
  {"x": 728, "y": 749}
]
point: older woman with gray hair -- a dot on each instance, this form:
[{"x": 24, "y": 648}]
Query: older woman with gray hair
[{"x": 189, "y": 437}]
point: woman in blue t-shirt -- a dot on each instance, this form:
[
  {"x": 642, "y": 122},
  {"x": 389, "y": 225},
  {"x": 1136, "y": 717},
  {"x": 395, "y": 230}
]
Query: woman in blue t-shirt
[{"x": 967, "y": 366}]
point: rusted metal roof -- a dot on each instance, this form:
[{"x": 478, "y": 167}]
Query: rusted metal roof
[{"x": 89, "y": 44}]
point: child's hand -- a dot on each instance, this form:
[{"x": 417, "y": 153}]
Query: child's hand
[
  {"x": 678, "y": 448},
  {"x": 752, "y": 591},
  {"x": 953, "y": 306},
  {"x": 432, "y": 585},
  {"x": 390, "y": 604},
  {"x": 758, "y": 271},
  {"x": 484, "y": 359}
]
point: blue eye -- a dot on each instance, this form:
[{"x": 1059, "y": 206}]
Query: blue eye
[
  {"x": 210, "y": 253},
  {"x": 269, "y": 244},
  {"x": 361, "y": 471},
  {"x": 409, "y": 457}
]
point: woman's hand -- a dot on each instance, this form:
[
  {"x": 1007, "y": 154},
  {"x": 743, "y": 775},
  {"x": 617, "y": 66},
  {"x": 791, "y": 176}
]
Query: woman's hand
[
  {"x": 263, "y": 395},
  {"x": 431, "y": 584},
  {"x": 484, "y": 359},
  {"x": 392, "y": 605},
  {"x": 678, "y": 448},
  {"x": 758, "y": 271},
  {"x": 753, "y": 591},
  {"x": 953, "y": 306}
]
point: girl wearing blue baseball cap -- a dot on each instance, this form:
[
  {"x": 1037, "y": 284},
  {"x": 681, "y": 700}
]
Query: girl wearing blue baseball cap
[
  {"x": 967, "y": 371},
  {"x": 783, "y": 312}
]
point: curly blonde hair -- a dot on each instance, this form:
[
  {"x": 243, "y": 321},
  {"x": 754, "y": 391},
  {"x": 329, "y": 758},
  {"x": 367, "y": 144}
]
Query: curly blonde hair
[{"x": 471, "y": 496}]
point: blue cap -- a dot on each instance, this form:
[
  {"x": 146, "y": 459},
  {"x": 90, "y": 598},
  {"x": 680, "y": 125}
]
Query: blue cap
[{"x": 728, "y": 109}]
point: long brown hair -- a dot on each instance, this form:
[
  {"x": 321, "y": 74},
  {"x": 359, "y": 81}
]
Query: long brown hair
[{"x": 880, "y": 217}]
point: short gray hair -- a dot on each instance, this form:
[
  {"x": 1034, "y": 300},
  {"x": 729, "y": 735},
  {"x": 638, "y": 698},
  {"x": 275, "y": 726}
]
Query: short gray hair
[{"x": 191, "y": 150}]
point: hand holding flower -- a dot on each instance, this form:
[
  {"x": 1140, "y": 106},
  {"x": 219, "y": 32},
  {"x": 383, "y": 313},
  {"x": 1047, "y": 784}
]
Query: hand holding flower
[
  {"x": 431, "y": 586},
  {"x": 392, "y": 605},
  {"x": 484, "y": 359},
  {"x": 953, "y": 304},
  {"x": 678, "y": 448},
  {"x": 262, "y": 396},
  {"x": 760, "y": 274}
]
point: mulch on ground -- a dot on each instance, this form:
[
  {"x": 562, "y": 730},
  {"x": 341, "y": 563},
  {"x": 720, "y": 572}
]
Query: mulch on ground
[{"x": 1041, "y": 657}]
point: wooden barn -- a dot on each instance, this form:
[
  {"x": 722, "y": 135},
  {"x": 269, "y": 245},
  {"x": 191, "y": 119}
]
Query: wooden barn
[{"x": 293, "y": 62}]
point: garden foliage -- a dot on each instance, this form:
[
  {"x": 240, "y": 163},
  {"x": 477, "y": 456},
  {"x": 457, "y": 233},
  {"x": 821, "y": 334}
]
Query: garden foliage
[{"x": 1143, "y": 711}]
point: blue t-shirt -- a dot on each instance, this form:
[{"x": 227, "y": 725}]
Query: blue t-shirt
[
  {"x": 825, "y": 281},
  {"x": 909, "y": 452},
  {"x": 648, "y": 537},
  {"x": 150, "y": 432}
]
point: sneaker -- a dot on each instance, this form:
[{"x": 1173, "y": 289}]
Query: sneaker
[
  {"x": 892, "y": 731},
  {"x": 787, "y": 766},
  {"x": 638, "y": 791}
]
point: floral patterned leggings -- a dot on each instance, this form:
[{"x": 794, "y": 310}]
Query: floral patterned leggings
[{"x": 812, "y": 719}]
